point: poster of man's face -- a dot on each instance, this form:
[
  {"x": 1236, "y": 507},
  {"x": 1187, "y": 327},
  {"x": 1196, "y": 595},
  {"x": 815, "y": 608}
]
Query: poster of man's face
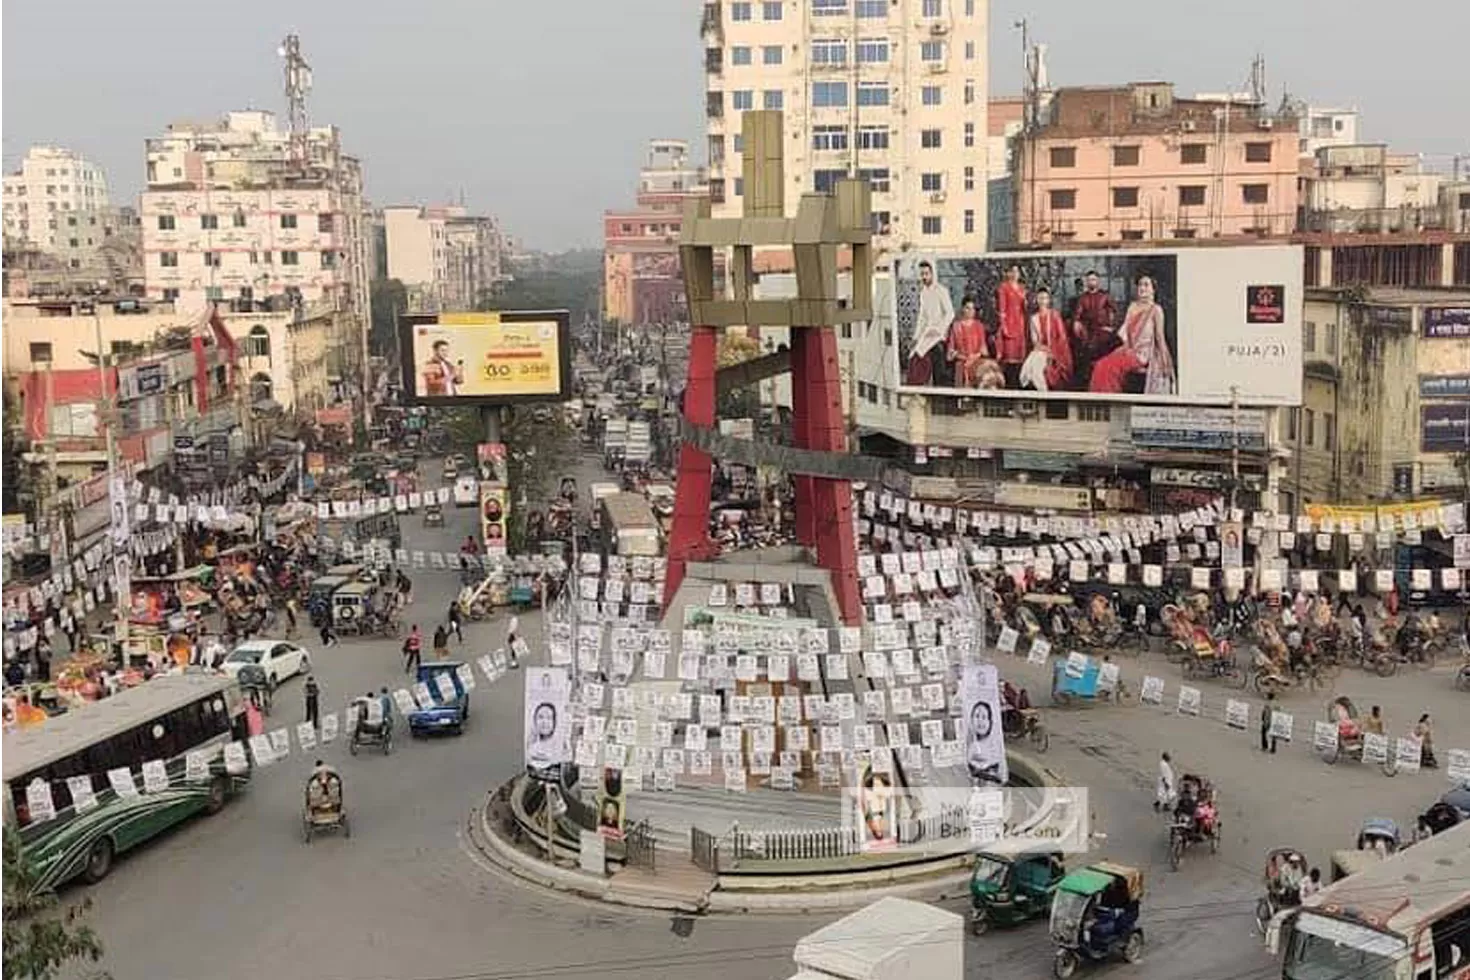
[{"x": 985, "y": 751}]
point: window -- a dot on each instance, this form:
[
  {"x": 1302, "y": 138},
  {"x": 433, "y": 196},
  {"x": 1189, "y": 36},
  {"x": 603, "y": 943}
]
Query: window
[
  {"x": 1125, "y": 197},
  {"x": 1258, "y": 153},
  {"x": 166, "y": 222},
  {"x": 872, "y": 51},
  {"x": 969, "y": 178},
  {"x": 1125, "y": 156},
  {"x": 826, "y": 52},
  {"x": 969, "y": 134},
  {"x": 830, "y": 94},
  {"x": 825, "y": 8},
  {"x": 872, "y": 137},
  {"x": 771, "y": 54},
  {"x": 877, "y": 178},
  {"x": 71, "y": 222},
  {"x": 739, "y": 186},
  {"x": 1329, "y": 337},
  {"x": 288, "y": 221},
  {"x": 872, "y": 8},
  {"x": 931, "y": 182},
  {"x": 170, "y": 295},
  {"x": 1255, "y": 193},
  {"x": 238, "y": 220},
  {"x": 931, "y": 94},
  {"x": 823, "y": 181},
  {"x": 1329, "y": 434},
  {"x": 771, "y": 10},
  {"x": 169, "y": 260},
  {"x": 1132, "y": 234},
  {"x": 931, "y": 224},
  {"x": 1062, "y": 156},
  {"x": 1309, "y": 426},
  {"x": 829, "y": 137},
  {"x": 40, "y": 352},
  {"x": 969, "y": 221},
  {"x": 771, "y": 98},
  {"x": 324, "y": 222},
  {"x": 1186, "y": 233},
  {"x": 1191, "y": 195},
  {"x": 1293, "y": 421},
  {"x": 290, "y": 258},
  {"x": 1063, "y": 200},
  {"x": 208, "y": 222},
  {"x": 737, "y": 142},
  {"x": 740, "y": 55},
  {"x": 214, "y": 293},
  {"x": 872, "y": 94},
  {"x": 329, "y": 260},
  {"x": 740, "y": 11},
  {"x": 1192, "y": 153},
  {"x": 931, "y": 139},
  {"x": 931, "y": 51},
  {"x": 742, "y": 99},
  {"x": 1309, "y": 336},
  {"x": 882, "y": 221},
  {"x": 211, "y": 260},
  {"x": 1058, "y": 410},
  {"x": 933, "y": 8},
  {"x": 969, "y": 50},
  {"x": 997, "y": 409},
  {"x": 969, "y": 91},
  {"x": 1092, "y": 412}
]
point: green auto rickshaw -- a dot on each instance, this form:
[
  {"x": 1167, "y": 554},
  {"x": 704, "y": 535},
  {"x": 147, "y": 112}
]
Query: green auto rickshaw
[
  {"x": 1006, "y": 890},
  {"x": 1094, "y": 917}
]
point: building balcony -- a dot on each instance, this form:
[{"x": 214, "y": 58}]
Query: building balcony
[
  {"x": 710, "y": 24},
  {"x": 714, "y": 60},
  {"x": 714, "y": 105}
]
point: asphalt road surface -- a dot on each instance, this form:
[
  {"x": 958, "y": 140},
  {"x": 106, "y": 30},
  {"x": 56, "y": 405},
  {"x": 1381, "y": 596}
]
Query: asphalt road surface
[{"x": 238, "y": 896}]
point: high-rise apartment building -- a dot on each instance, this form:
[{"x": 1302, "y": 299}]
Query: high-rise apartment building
[
  {"x": 891, "y": 90},
  {"x": 642, "y": 283},
  {"x": 447, "y": 258},
  {"x": 52, "y": 186}
]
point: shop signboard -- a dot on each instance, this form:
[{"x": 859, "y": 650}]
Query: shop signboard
[
  {"x": 1043, "y": 496},
  {"x": 1181, "y": 427},
  {"x": 1446, "y": 323},
  {"x": 1444, "y": 386},
  {"x": 1445, "y": 428},
  {"x": 1193, "y": 326},
  {"x": 1173, "y": 476},
  {"x": 1037, "y": 462}
]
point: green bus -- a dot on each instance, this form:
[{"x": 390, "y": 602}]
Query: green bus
[{"x": 164, "y": 719}]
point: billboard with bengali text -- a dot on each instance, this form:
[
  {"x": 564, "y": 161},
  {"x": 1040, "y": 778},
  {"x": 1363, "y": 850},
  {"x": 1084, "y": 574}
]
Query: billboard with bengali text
[
  {"x": 1445, "y": 428},
  {"x": 1446, "y": 323},
  {"x": 1197, "y": 326},
  {"x": 486, "y": 358}
]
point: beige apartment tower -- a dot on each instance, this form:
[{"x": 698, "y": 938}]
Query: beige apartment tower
[{"x": 891, "y": 90}]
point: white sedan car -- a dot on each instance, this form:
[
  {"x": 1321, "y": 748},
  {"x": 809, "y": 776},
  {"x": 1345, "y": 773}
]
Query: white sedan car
[{"x": 279, "y": 659}]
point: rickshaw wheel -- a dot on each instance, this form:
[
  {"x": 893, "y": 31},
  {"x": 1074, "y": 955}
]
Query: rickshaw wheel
[
  {"x": 979, "y": 923},
  {"x": 1176, "y": 850},
  {"x": 346, "y": 827},
  {"x": 306, "y": 829},
  {"x": 1064, "y": 964},
  {"x": 352, "y": 745},
  {"x": 1041, "y": 738},
  {"x": 1330, "y": 756},
  {"x": 1215, "y": 840},
  {"x": 1390, "y": 766},
  {"x": 1133, "y": 949},
  {"x": 1263, "y": 914}
]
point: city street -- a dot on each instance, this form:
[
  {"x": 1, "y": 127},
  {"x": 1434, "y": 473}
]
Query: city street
[{"x": 406, "y": 898}]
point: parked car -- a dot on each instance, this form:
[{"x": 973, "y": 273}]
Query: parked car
[
  {"x": 277, "y": 658},
  {"x": 443, "y": 716}
]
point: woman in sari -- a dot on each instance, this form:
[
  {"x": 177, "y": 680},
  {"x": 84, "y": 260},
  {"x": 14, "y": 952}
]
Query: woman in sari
[
  {"x": 1049, "y": 365},
  {"x": 1143, "y": 348},
  {"x": 967, "y": 346}
]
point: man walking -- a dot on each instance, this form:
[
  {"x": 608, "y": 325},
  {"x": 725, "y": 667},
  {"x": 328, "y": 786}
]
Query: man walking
[
  {"x": 313, "y": 701},
  {"x": 456, "y": 620},
  {"x": 413, "y": 649},
  {"x": 329, "y": 636},
  {"x": 1268, "y": 744},
  {"x": 513, "y": 639},
  {"x": 1165, "y": 794}
]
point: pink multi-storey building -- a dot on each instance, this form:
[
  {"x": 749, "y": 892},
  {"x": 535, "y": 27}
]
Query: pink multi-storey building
[{"x": 1135, "y": 163}]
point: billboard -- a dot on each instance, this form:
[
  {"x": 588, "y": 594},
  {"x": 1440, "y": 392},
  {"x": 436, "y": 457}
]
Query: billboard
[
  {"x": 494, "y": 514},
  {"x": 1192, "y": 325},
  {"x": 486, "y": 358}
]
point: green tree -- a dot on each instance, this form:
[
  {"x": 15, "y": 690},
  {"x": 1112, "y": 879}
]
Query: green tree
[
  {"x": 40, "y": 936},
  {"x": 570, "y": 281}
]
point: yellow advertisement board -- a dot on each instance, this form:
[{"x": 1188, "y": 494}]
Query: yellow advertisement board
[
  {"x": 488, "y": 357},
  {"x": 1381, "y": 516}
]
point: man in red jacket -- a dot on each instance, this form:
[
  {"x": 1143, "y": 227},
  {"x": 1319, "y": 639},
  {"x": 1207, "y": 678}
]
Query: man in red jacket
[{"x": 1092, "y": 325}]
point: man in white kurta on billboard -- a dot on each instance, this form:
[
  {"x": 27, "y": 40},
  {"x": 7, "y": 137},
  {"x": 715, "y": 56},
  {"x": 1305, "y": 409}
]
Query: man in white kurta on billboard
[{"x": 927, "y": 361}]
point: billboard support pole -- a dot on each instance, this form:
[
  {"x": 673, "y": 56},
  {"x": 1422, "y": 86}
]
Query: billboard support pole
[{"x": 1235, "y": 444}]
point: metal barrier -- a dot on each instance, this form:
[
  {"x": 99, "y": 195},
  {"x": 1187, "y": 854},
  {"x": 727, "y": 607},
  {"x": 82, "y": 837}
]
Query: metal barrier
[
  {"x": 704, "y": 850},
  {"x": 640, "y": 848}
]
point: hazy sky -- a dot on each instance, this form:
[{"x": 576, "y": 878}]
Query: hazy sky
[{"x": 538, "y": 110}]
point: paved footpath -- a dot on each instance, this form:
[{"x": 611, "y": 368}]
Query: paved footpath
[{"x": 238, "y": 896}]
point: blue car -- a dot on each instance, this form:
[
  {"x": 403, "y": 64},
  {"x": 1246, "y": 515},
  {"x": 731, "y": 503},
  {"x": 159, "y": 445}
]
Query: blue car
[{"x": 443, "y": 717}]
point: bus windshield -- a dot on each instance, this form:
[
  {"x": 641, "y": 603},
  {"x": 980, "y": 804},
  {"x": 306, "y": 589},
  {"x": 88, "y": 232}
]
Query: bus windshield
[{"x": 1322, "y": 948}]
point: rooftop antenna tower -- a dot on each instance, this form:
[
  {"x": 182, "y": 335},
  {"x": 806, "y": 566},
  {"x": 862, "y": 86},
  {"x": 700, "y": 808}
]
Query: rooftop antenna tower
[{"x": 298, "y": 85}]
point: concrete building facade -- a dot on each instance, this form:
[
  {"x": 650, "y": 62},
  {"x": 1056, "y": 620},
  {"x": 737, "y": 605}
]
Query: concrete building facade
[
  {"x": 446, "y": 258},
  {"x": 1136, "y": 163},
  {"x": 642, "y": 283},
  {"x": 892, "y": 90},
  {"x": 229, "y": 217},
  {"x": 1367, "y": 188},
  {"x": 55, "y": 197}
]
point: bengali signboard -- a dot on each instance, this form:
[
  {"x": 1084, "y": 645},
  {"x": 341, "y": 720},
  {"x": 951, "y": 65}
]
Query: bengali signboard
[
  {"x": 1179, "y": 427},
  {"x": 487, "y": 358},
  {"x": 1190, "y": 326},
  {"x": 1043, "y": 496},
  {"x": 1445, "y": 428},
  {"x": 1445, "y": 323},
  {"x": 1173, "y": 476},
  {"x": 1452, "y": 386}
]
